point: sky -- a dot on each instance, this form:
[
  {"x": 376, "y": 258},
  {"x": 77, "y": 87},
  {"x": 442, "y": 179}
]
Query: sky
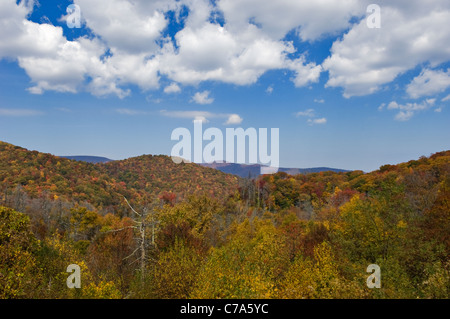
[{"x": 347, "y": 85}]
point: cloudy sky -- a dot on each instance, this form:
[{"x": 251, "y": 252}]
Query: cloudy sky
[{"x": 342, "y": 94}]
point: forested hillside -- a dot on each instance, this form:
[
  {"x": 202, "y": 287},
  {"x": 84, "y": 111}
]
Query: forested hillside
[
  {"x": 103, "y": 186},
  {"x": 199, "y": 233}
]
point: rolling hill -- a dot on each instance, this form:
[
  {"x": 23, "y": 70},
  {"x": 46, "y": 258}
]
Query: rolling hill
[{"x": 104, "y": 185}]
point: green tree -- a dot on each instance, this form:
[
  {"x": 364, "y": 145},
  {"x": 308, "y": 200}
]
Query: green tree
[{"x": 20, "y": 275}]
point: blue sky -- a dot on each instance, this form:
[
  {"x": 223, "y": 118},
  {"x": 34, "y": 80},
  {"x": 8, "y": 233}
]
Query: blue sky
[{"x": 342, "y": 95}]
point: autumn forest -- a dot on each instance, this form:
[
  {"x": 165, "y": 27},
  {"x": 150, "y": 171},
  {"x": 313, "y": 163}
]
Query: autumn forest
[{"x": 148, "y": 228}]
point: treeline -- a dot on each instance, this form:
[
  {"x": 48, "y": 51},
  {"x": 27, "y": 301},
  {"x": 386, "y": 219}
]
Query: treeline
[{"x": 277, "y": 236}]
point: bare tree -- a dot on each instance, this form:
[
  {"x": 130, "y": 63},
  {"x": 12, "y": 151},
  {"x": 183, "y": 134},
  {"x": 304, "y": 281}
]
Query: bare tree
[{"x": 143, "y": 221}]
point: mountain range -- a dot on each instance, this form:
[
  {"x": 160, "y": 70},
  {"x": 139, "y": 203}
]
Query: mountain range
[
  {"x": 242, "y": 170},
  {"x": 88, "y": 159},
  {"x": 254, "y": 170}
]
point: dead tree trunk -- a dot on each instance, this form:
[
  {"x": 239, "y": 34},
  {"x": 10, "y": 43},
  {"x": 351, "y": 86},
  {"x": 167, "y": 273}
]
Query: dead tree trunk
[{"x": 141, "y": 224}]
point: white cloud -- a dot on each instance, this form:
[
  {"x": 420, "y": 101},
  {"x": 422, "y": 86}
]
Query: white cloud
[
  {"x": 172, "y": 88},
  {"x": 404, "y": 116},
  {"x": 127, "y": 26},
  {"x": 233, "y": 119},
  {"x": 321, "y": 101},
  {"x": 429, "y": 82},
  {"x": 412, "y": 33},
  {"x": 269, "y": 90},
  {"x": 128, "y": 46},
  {"x": 20, "y": 37},
  {"x": 276, "y": 18},
  {"x": 65, "y": 69},
  {"x": 447, "y": 98},
  {"x": 215, "y": 53},
  {"x": 305, "y": 73},
  {"x": 311, "y": 115},
  {"x": 307, "y": 113},
  {"x": 202, "y": 98},
  {"x": 52, "y": 62},
  {"x": 317, "y": 121},
  {"x": 19, "y": 112},
  {"x": 408, "y": 110}
]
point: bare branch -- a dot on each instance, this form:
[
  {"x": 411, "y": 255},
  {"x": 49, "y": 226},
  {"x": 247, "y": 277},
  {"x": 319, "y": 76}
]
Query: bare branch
[
  {"x": 131, "y": 254},
  {"x": 134, "y": 261},
  {"x": 131, "y": 207}
]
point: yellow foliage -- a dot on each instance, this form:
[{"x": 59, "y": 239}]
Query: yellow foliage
[{"x": 317, "y": 278}]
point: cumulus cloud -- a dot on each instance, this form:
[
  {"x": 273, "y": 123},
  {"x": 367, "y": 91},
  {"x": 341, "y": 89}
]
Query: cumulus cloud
[
  {"x": 50, "y": 60},
  {"x": 65, "y": 69},
  {"x": 429, "y": 82},
  {"x": 20, "y": 37},
  {"x": 234, "y": 119},
  {"x": 172, "y": 88},
  {"x": 127, "y": 26},
  {"x": 408, "y": 110},
  {"x": 129, "y": 46},
  {"x": 54, "y": 63},
  {"x": 215, "y": 53},
  {"x": 305, "y": 73},
  {"x": 202, "y": 98},
  {"x": 411, "y": 34},
  {"x": 276, "y": 18}
]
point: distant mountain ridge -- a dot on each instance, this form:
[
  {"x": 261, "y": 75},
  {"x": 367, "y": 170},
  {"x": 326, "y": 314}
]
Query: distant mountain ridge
[
  {"x": 244, "y": 170},
  {"x": 88, "y": 159},
  {"x": 241, "y": 170}
]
